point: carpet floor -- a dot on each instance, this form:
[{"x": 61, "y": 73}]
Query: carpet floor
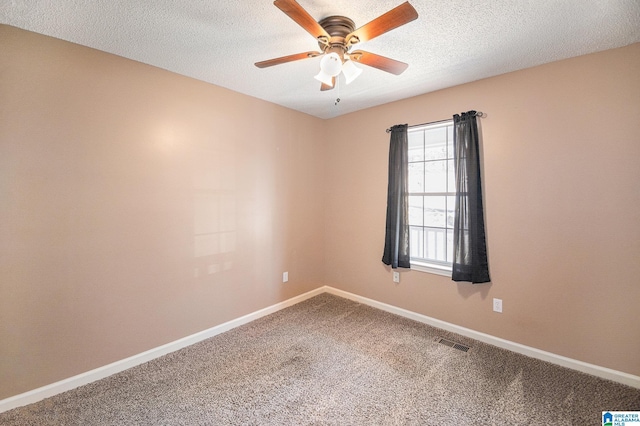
[{"x": 332, "y": 361}]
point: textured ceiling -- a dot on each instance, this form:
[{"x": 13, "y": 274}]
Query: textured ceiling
[{"x": 452, "y": 42}]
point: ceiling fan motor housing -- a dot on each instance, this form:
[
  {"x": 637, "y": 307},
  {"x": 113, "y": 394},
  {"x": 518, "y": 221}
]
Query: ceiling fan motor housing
[{"x": 338, "y": 27}]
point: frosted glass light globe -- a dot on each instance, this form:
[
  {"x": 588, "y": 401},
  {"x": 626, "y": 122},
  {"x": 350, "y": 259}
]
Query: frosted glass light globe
[
  {"x": 350, "y": 71},
  {"x": 331, "y": 64}
]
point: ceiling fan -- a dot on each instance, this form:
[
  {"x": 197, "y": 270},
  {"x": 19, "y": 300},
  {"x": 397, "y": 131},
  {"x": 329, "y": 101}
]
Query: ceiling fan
[{"x": 337, "y": 36}]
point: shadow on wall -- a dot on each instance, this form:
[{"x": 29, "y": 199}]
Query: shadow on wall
[{"x": 467, "y": 290}]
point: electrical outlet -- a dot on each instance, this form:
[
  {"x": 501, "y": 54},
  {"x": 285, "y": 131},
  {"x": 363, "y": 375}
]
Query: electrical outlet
[
  {"x": 497, "y": 305},
  {"x": 396, "y": 277},
  {"x": 285, "y": 277}
]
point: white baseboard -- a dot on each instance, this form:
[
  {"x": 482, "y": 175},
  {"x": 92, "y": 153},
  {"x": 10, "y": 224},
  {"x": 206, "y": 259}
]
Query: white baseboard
[
  {"x": 595, "y": 370},
  {"x": 99, "y": 373},
  {"x": 52, "y": 389}
]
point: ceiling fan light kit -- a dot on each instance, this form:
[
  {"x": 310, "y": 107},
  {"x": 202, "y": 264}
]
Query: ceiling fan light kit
[
  {"x": 336, "y": 36},
  {"x": 331, "y": 65}
]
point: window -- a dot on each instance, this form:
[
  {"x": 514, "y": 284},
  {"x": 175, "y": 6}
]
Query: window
[{"x": 431, "y": 196}]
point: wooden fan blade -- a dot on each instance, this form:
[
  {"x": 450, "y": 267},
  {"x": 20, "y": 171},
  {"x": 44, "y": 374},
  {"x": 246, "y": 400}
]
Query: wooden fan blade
[
  {"x": 378, "y": 61},
  {"x": 302, "y": 18},
  {"x": 394, "y": 18},
  {"x": 325, "y": 87},
  {"x": 289, "y": 58}
]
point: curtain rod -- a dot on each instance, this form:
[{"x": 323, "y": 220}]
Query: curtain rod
[{"x": 478, "y": 114}]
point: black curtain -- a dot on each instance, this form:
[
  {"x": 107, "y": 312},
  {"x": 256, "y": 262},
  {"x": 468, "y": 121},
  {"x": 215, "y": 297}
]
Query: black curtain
[
  {"x": 396, "y": 240},
  {"x": 469, "y": 242}
]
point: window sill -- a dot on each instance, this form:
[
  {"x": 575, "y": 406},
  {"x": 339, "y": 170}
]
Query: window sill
[{"x": 431, "y": 268}]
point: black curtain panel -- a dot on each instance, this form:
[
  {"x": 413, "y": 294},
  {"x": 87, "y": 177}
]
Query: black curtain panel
[
  {"x": 396, "y": 241},
  {"x": 469, "y": 242}
]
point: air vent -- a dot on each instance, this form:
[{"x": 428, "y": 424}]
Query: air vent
[{"x": 453, "y": 345}]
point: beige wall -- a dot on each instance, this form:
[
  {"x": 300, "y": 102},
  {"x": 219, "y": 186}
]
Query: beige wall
[
  {"x": 562, "y": 180},
  {"x": 117, "y": 182}
]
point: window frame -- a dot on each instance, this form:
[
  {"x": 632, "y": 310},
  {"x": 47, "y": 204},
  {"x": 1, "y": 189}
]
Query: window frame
[{"x": 433, "y": 266}]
